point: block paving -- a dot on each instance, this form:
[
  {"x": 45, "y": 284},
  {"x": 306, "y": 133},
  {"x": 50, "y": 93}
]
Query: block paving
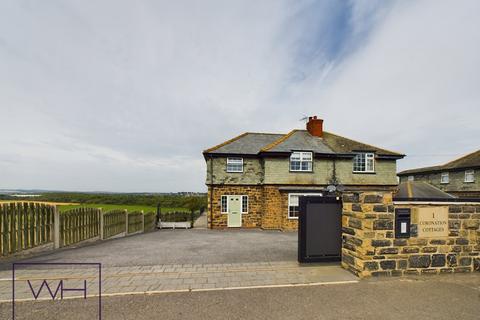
[{"x": 175, "y": 277}]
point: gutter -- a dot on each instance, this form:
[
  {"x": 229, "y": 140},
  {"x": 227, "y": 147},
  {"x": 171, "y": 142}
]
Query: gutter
[{"x": 211, "y": 192}]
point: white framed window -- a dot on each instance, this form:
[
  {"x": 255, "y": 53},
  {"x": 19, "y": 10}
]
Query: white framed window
[
  {"x": 470, "y": 176},
  {"x": 244, "y": 204},
  {"x": 301, "y": 161},
  {"x": 224, "y": 204},
  {"x": 444, "y": 178},
  {"x": 411, "y": 178},
  {"x": 294, "y": 205},
  {"x": 234, "y": 164},
  {"x": 364, "y": 162}
]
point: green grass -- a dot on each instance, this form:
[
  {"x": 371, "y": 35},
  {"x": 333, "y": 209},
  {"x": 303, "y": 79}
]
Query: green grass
[{"x": 108, "y": 207}]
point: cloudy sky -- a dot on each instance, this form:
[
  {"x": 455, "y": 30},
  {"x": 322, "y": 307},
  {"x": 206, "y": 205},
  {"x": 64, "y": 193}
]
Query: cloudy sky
[{"x": 124, "y": 95}]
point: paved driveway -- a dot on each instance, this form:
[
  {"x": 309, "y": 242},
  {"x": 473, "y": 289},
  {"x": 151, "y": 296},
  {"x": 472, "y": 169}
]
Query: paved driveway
[{"x": 194, "y": 246}]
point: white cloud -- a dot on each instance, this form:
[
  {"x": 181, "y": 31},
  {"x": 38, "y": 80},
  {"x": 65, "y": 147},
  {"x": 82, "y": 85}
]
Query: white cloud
[
  {"x": 412, "y": 86},
  {"x": 124, "y": 96}
]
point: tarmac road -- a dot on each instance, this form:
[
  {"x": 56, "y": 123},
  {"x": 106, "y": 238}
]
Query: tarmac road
[{"x": 429, "y": 297}]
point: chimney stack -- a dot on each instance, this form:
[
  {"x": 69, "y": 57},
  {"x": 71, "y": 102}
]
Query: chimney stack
[{"x": 315, "y": 126}]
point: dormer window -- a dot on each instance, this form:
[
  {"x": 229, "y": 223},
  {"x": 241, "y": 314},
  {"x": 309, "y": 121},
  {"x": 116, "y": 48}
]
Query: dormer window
[
  {"x": 364, "y": 162},
  {"x": 234, "y": 164},
  {"x": 301, "y": 161}
]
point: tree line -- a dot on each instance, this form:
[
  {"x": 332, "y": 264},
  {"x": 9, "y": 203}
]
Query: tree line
[{"x": 192, "y": 202}]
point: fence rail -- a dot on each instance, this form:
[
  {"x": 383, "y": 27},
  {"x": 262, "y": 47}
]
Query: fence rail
[
  {"x": 78, "y": 225},
  {"x": 24, "y": 226},
  {"x": 113, "y": 223}
]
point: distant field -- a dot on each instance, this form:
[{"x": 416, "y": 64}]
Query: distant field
[
  {"x": 108, "y": 207},
  {"x": 64, "y": 206}
]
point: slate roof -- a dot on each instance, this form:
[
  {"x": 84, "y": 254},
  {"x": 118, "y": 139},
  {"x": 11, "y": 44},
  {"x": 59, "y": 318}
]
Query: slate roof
[
  {"x": 296, "y": 140},
  {"x": 249, "y": 143},
  {"x": 419, "y": 190},
  {"x": 470, "y": 160}
]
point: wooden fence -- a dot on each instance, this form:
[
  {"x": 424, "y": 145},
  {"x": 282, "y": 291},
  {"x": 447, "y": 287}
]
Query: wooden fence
[
  {"x": 78, "y": 225},
  {"x": 114, "y": 223},
  {"x": 24, "y": 226},
  {"x": 29, "y": 225},
  {"x": 149, "y": 221},
  {"x": 135, "y": 222}
]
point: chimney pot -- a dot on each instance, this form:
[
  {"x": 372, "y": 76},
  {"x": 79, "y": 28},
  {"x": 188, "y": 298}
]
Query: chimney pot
[{"x": 315, "y": 126}]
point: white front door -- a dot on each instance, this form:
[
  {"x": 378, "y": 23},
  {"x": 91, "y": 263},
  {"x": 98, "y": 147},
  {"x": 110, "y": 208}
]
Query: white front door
[{"x": 234, "y": 211}]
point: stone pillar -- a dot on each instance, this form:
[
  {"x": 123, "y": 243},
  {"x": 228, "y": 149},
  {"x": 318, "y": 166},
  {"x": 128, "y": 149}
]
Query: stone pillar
[{"x": 371, "y": 249}]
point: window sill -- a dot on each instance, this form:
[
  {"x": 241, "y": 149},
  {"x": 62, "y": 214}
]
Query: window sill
[
  {"x": 301, "y": 171},
  {"x": 468, "y": 181},
  {"x": 364, "y": 172},
  {"x": 292, "y": 218},
  {"x": 234, "y": 171}
]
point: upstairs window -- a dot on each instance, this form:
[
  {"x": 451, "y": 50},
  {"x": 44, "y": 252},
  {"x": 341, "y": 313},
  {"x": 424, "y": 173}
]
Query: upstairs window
[
  {"x": 301, "y": 161},
  {"x": 470, "y": 176},
  {"x": 364, "y": 162},
  {"x": 445, "y": 178},
  {"x": 234, "y": 164}
]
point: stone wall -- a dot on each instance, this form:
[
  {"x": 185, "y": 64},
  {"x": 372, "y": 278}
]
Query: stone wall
[
  {"x": 371, "y": 249},
  {"x": 268, "y": 208},
  {"x": 252, "y": 172},
  {"x": 277, "y": 171},
  {"x": 253, "y": 219}
]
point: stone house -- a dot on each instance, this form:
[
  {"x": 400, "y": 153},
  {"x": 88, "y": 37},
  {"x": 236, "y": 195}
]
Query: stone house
[
  {"x": 255, "y": 179},
  {"x": 460, "y": 177}
]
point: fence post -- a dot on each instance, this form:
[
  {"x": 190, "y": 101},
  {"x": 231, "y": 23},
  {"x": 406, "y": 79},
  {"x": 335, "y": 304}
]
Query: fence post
[
  {"x": 143, "y": 221},
  {"x": 56, "y": 228},
  {"x": 191, "y": 218},
  {"x": 126, "y": 222},
  {"x": 101, "y": 223}
]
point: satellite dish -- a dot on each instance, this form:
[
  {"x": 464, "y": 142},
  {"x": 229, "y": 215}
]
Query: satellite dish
[
  {"x": 331, "y": 188},
  {"x": 340, "y": 188}
]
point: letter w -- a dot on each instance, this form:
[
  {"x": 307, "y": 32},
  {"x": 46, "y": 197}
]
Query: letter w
[{"x": 44, "y": 283}]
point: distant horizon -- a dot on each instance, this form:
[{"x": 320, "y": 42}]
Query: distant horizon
[{"x": 2, "y": 190}]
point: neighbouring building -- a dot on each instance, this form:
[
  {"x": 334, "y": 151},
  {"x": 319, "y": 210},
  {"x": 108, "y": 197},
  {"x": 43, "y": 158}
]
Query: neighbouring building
[
  {"x": 255, "y": 179},
  {"x": 460, "y": 177}
]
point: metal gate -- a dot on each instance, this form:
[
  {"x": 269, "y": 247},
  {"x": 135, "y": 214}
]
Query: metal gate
[{"x": 319, "y": 229}]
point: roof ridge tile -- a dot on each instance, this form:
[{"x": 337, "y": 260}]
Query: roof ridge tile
[{"x": 278, "y": 141}]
